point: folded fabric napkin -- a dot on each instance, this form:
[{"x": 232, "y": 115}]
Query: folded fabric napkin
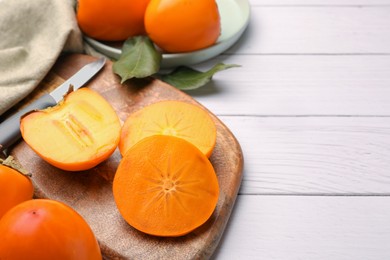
[{"x": 32, "y": 36}]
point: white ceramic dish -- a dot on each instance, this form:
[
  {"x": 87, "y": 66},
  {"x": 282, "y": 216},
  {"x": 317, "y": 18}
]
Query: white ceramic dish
[{"x": 234, "y": 20}]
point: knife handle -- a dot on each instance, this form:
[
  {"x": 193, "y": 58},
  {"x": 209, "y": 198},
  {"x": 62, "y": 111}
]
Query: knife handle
[{"x": 10, "y": 128}]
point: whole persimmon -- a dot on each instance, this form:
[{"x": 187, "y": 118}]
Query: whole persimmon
[
  {"x": 183, "y": 26},
  {"x": 46, "y": 230},
  {"x": 111, "y": 20},
  {"x": 15, "y": 188}
]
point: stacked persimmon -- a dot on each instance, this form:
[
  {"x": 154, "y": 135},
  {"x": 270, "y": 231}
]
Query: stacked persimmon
[
  {"x": 40, "y": 228},
  {"x": 165, "y": 184},
  {"x": 173, "y": 25}
]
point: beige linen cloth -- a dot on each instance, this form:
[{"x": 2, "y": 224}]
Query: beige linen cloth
[{"x": 33, "y": 33}]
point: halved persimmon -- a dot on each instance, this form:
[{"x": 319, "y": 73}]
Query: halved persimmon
[
  {"x": 176, "y": 118},
  {"x": 164, "y": 186},
  {"x": 80, "y": 132}
]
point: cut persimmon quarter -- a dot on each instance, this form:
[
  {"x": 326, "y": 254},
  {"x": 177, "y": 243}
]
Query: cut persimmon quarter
[
  {"x": 77, "y": 134},
  {"x": 164, "y": 186},
  {"x": 175, "y": 118}
]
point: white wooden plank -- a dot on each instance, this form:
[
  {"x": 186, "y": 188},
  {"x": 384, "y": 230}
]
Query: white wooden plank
[
  {"x": 319, "y": 2},
  {"x": 299, "y": 228},
  {"x": 299, "y": 85},
  {"x": 320, "y": 155},
  {"x": 316, "y": 30}
]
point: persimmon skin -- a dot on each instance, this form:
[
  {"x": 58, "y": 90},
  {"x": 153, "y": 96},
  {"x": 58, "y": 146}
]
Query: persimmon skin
[
  {"x": 111, "y": 20},
  {"x": 170, "y": 117},
  {"x": 165, "y": 186},
  {"x": 44, "y": 229},
  {"x": 15, "y": 188},
  {"x": 182, "y": 26},
  {"x": 77, "y": 134}
]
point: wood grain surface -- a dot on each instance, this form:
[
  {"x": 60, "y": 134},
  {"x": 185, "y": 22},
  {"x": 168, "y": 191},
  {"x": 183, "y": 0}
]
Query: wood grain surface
[
  {"x": 90, "y": 192},
  {"x": 301, "y": 27}
]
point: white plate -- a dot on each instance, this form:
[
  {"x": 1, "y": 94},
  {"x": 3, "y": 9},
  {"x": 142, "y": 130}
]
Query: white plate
[{"x": 234, "y": 19}]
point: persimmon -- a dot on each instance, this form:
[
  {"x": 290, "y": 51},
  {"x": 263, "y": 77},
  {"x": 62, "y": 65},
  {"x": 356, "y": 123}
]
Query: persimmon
[
  {"x": 171, "y": 117},
  {"x": 15, "y": 188},
  {"x": 77, "y": 134},
  {"x": 183, "y": 26},
  {"x": 44, "y": 229},
  {"x": 111, "y": 20},
  {"x": 164, "y": 186}
]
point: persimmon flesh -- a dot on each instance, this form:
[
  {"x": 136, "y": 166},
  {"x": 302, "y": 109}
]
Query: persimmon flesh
[
  {"x": 164, "y": 186},
  {"x": 80, "y": 132},
  {"x": 171, "y": 117},
  {"x": 43, "y": 229},
  {"x": 15, "y": 188}
]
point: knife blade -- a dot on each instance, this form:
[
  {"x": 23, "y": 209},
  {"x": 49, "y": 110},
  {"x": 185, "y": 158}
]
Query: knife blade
[{"x": 10, "y": 128}]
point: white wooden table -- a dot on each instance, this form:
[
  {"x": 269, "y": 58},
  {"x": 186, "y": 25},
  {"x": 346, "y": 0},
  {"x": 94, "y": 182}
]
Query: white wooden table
[{"x": 310, "y": 107}]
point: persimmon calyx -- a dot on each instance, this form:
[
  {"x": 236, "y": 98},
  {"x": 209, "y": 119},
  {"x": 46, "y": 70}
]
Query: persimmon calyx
[{"x": 11, "y": 162}]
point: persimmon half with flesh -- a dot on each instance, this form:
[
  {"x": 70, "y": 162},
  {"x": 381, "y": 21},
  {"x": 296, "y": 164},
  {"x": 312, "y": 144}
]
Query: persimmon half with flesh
[
  {"x": 165, "y": 186},
  {"x": 77, "y": 134},
  {"x": 175, "y": 118}
]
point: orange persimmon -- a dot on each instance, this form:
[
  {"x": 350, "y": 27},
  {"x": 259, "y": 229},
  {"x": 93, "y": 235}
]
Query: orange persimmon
[
  {"x": 77, "y": 134},
  {"x": 176, "y": 118},
  {"x": 111, "y": 20},
  {"x": 42, "y": 229},
  {"x": 14, "y": 188},
  {"x": 164, "y": 186},
  {"x": 183, "y": 26}
]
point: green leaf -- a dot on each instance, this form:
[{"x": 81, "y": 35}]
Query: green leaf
[
  {"x": 185, "y": 78},
  {"x": 139, "y": 59}
]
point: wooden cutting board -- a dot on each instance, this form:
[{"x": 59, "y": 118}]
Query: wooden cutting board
[{"x": 90, "y": 192}]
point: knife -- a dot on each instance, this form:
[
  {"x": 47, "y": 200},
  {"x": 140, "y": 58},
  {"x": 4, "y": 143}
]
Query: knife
[{"x": 10, "y": 128}]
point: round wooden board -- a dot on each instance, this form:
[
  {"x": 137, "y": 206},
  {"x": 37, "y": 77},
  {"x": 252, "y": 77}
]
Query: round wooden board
[{"x": 90, "y": 192}]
